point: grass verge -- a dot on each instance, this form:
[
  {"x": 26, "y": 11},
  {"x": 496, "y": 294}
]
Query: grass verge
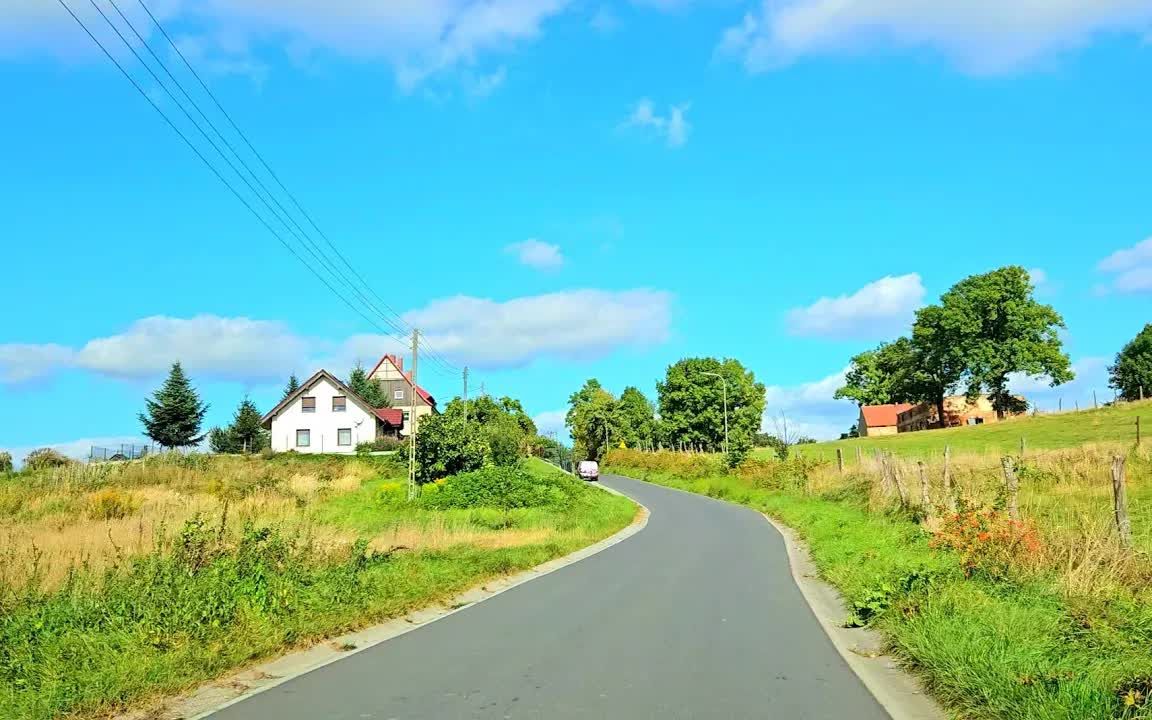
[
  {"x": 989, "y": 644},
  {"x": 218, "y": 593}
]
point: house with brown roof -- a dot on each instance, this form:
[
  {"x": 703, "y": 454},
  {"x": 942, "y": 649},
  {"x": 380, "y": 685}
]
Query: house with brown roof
[
  {"x": 878, "y": 420},
  {"x": 412, "y": 401},
  {"x": 325, "y": 416}
]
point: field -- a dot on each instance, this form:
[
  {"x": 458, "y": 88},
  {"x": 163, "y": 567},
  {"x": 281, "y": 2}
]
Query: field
[
  {"x": 1047, "y": 617},
  {"x": 123, "y": 582},
  {"x": 1040, "y": 432}
]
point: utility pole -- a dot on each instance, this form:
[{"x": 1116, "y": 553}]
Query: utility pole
[
  {"x": 412, "y": 417},
  {"x": 465, "y": 396}
]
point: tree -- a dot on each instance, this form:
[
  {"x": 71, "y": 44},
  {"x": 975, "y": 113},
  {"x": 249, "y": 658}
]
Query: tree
[
  {"x": 5, "y": 462},
  {"x": 999, "y": 329},
  {"x": 370, "y": 391},
  {"x": 692, "y": 404},
  {"x": 292, "y": 386},
  {"x": 222, "y": 442},
  {"x": 174, "y": 413},
  {"x": 636, "y": 418},
  {"x": 935, "y": 356},
  {"x": 880, "y": 376},
  {"x": 592, "y": 419},
  {"x": 446, "y": 445},
  {"x": 1131, "y": 375},
  {"x": 853, "y": 432}
]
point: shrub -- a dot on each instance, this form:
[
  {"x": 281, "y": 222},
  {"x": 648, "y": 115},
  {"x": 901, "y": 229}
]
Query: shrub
[
  {"x": 5, "y": 462},
  {"x": 381, "y": 444},
  {"x": 988, "y": 541},
  {"x": 46, "y": 458},
  {"x": 501, "y": 487},
  {"x": 110, "y": 504}
]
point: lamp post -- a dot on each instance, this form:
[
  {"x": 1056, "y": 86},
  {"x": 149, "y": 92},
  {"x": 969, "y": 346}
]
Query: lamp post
[{"x": 725, "y": 381}]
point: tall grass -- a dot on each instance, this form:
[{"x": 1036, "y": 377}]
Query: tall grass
[
  {"x": 253, "y": 556},
  {"x": 1042, "y": 618}
]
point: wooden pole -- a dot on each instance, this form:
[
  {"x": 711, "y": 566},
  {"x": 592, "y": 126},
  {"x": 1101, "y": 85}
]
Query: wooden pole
[
  {"x": 1095, "y": 405},
  {"x": 1137, "y": 431},
  {"x": 1012, "y": 485},
  {"x": 899, "y": 484},
  {"x": 949, "y": 495},
  {"x": 1120, "y": 502},
  {"x": 840, "y": 460},
  {"x": 1023, "y": 446},
  {"x": 925, "y": 494}
]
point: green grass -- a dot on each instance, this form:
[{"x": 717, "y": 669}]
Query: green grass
[
  {"x": 1014, "y": 647},
  {"x": 1072, "y": 429},
  {"x": 206, "y": 603}
]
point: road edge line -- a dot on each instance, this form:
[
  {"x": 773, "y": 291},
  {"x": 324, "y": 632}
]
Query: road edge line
[{"x": 230, "y": 690}]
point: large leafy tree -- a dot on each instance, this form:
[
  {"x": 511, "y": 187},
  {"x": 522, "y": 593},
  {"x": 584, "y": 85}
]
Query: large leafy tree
[
  {"x": 999, "y": 330},
  {"x": 881, "y": 376},
  {"x": 592, "y": 419},
  {"x": 936, "y": 362},
  {"x": 174, "y": 413},
  {"x": 1131, "y": 374},
  {"x": 447, "y": 445},
  {"x": 692, "y": 404},
  {"x": 636, "y": 417},
  {"x": 371, "y": 392}
]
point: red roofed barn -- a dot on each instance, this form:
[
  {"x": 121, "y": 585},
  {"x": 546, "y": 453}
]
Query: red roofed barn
[{"x": 880, "y": 419}]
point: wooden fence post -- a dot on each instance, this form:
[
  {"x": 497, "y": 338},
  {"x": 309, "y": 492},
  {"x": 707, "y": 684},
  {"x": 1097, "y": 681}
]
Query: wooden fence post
[
  {"x": 896, "y": 478},
  {"x": 949, "y": 495},
  {"x": 1137, "y": 431},
  {"x": 1012, "y": 485},
  {"x": 859, "y": 456},
  {"x": 840, "y": 460},
  {"x": 1120, "y": 502},
  {"x": 1023, "y": 446},
  {"x": 925, "y": 494}
]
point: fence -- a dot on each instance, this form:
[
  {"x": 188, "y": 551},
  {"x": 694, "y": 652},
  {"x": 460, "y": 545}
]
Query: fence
[{"x": 118, "y": 453}]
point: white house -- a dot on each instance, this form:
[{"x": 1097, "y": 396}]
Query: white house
[
  {"x": 325, "y": 416},
  {"x": 397, "y": 386}
]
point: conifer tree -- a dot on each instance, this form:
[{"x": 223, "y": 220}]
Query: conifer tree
[{"x": 174, "y": 413}]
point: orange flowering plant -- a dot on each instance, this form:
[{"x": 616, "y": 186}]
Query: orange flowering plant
[{"x": 988, "y": 541}]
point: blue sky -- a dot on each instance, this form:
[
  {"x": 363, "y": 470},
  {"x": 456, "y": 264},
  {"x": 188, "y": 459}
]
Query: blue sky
[{"x": 555, "y": 190}]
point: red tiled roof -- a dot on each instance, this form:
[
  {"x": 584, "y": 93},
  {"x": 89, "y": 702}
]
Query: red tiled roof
[
  {"x": 883, "y": 415},
  {"x": 392, "y": 416}
]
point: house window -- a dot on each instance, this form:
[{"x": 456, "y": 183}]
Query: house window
[
  {"x": 398, "y": 395},
  {"x": 344, "y": 437},
  {"x": 308, "y": 404},
  {"x": 339, "y": 403},
  {"x": 303, "y": 438},
  {"x": 407, "y": 415}
]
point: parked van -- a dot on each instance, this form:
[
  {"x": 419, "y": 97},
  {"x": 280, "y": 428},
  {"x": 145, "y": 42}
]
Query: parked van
[{"x": 589, "y": 470}]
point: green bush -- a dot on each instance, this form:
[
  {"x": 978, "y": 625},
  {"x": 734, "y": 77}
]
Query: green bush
[
  {"x": 5, "y": 462},
  {"x": 502, "y": 487},
  {"x": 382, "y": 444},
  {"x": 46, "y": 458}
]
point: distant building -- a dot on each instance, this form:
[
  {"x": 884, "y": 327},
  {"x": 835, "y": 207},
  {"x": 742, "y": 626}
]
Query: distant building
[
  {"x": 880, "y": 419},
  {"x": 325, "y": 416},
  {"x": 397, "y": 386},
  {"x": 958, "y": 411}
]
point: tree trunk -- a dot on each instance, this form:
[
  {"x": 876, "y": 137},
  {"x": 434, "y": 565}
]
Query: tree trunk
[{"x": 940, "y": 421}]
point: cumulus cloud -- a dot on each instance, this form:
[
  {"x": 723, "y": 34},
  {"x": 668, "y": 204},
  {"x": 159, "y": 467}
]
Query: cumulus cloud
[
  {"x": 874, "y": 311},
  {"x": 572, "y": 325},
  {"x": 673, "y": 127},
  {"x": 980, "y": 37},
  {"x": 23, "y": 362},
  {"x": 418, "y": 38},
  {"x": 537, "y": 254},
  {"x": 809, "y": 408},
  {"x": 1131, "y": 268},
  {"x": 552, "y": 421}
]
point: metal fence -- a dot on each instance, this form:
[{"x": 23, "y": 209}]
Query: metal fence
[{"x": 122, "y": 452}]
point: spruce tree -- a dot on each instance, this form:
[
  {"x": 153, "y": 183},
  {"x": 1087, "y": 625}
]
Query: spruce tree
[
  {"x": 246, "y": 431},
  {"x": 367, "y": 389},
  {"x": 174, "y": 413},
  {"x": 292, "y": 386}
]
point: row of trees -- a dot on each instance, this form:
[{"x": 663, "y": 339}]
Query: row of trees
[
  {"x": 985, "y": 329},
  {"x": 690, "y": 411}
]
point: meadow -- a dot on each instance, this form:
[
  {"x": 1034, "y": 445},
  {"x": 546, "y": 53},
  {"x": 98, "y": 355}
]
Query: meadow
[
  {"x": 121, "y": 583},
  {"x": 1106, "y": 425},
  {"x": 1045, "y": 617}
]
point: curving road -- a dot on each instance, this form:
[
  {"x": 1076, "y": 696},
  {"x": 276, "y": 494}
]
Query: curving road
[{"x": 697, "y": 616}]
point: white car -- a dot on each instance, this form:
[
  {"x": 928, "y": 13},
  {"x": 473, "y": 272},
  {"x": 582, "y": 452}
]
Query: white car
[{"x": 589, "y": 470}]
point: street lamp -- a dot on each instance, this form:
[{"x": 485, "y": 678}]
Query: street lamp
[{"x": 725, "y": 381}]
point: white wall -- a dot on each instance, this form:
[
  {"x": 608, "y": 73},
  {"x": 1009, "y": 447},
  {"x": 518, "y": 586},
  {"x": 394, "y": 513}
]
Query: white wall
[{"x": 323, "y": 423}]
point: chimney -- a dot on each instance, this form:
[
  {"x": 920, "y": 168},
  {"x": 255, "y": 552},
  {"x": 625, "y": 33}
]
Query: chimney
[{"x": 397, "y": 361}]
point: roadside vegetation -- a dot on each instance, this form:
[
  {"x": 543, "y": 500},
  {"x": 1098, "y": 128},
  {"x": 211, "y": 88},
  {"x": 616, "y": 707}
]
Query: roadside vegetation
[
  {"x": 1045, "y": 617},
  {"x": 124, "y": 582}
]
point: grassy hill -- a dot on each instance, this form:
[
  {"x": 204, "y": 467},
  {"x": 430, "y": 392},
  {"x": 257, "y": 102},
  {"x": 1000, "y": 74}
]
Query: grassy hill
[{"x": 1106, "y": 425}]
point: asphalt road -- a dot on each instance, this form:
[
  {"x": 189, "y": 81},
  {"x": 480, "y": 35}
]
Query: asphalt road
[{"x": 697, "y": 616}]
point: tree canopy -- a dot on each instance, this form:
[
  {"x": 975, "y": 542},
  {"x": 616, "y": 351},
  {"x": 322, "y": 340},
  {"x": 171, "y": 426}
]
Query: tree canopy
[
  {"x": 370, "y": 390},
  {"x": 593, "y": 420},
  {"x": 1131, "y": 374},
  {"x": 468, "y": 436},
  {"x": 636, "y": 419},
  {"x": 692, "y": 404},
  {"x": 245, "y": 434},
  {"x": 173, "y": 414},
  {"x": 881, "y": 376},
  {"x": 292, "y": 386}
]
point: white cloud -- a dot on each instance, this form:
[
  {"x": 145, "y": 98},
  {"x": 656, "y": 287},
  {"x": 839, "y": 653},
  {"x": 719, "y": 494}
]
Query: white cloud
[
  {"x": 418, "y": 38},
  {"x": 537, "y": 254},
  {"x": 979, "y": 36},
  {"x": 874, "y": 311},
  {"x": 673, "y": 127},
  {"x": 1132, "y": 268},
  {"x": 23, "y": 362},
  {"x": 572, "y": 325},
  {"x": 552, "y": 421},
  {"x": 1091, "y": 376},
  {"x": 809, "y": 408}
]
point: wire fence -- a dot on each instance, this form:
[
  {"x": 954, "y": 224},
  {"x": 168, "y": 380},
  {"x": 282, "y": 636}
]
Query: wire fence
[{"x": 119, "y": 453}]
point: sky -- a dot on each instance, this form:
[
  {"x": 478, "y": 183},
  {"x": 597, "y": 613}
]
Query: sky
[{"x": 552, "y": 190}]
